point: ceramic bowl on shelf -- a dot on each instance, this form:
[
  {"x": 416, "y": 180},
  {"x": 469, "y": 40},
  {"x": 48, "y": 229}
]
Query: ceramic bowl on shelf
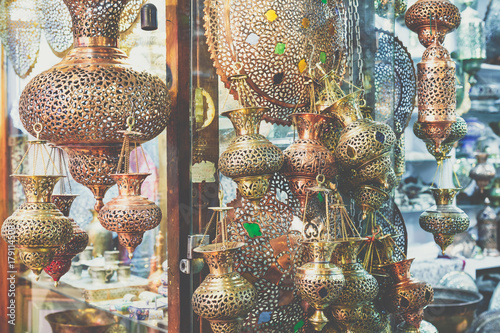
[{"x": 81, "y": 321}]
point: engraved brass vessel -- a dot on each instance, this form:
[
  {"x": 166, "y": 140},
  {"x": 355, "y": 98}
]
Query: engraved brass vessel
[
  {"x": 407, "y": 296},
  {"x": 444, "y": 219},
  {"x": 83, "y": 101},
  {"x": 100, "y": 238},
  {"x": 224, "y": 297},
  {"x": 251, "y": 159},
  {"x": 319, "y": 282},
  {"x": 130, "y": 214},
  {"x": 61, "y": 263},
  {"x": 483, "y": 172},
  {"x": 37, "y": 228},
  {"x": 306, "y": 157}
]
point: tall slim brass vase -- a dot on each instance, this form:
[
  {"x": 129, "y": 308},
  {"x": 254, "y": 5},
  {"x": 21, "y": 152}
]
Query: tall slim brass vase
[
  {"x": 37, "y": 228},
  {"x": 63, "y": 256},
  {"x": 319, "y": 282},
  {"x": 224, "y": 297}
]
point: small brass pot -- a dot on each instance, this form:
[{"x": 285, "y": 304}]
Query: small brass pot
[{"x": 80, "y": 321}]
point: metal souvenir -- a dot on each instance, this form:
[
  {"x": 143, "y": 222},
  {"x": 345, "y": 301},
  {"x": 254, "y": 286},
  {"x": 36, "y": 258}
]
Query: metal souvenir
[
  {"x": 364, "y": 318},
  {"x": 444, "y": 220},
  {"x": 306, "y": 157},
  {"x": 369, "y": 198},
  {"x": 408, "y": 296},
  {"x": 83, "y": 101},
  {"x": 275, "y": 41},
  {"x": 37, "y": 228},
  {"x": 483, "y": 172},
  {"x": 251, "y": 159},
  {"x": 56, "y": 22},
  {"x": 224, "y": 297},
  {"x": 100, "y": 238},
  {"x": 487, "y": 230},
  {"x": 61, "y": 263},
  {"x": 394, "y": 75},
  {"x": 20, "y": 33},
  {"x": 399, "y": 158},
  {"x": 472, "y": 35},
  {"x": 431, "y": 19},
  {"x": 319, "y": 282},
  {"x": 346, "y": 109},
  {"x": 129, "y": 214},
  {"x": 436, "y": 94},
  {"x": 383, "y": 7},
  {"x": 494, "y": 194}
]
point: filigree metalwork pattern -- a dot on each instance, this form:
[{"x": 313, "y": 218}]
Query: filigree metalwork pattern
[
  {"x": 269, "y": 259},
  {"x": 364, "y": 319},
  {"x": 275, "y": 41},
  {"x": 394, "y": 74},
  {"x": 56, "y": 21},
  {"x": 370, "y": 198},
  {"x": 444, "y": 15},
  {"x": 63, "y": 202},
  {"x": 130, "y": 13},
  {"x": 20, "y": 33}
]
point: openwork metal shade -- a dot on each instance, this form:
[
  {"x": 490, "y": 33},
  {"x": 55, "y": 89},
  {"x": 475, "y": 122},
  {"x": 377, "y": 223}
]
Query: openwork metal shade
[
  {"x": 224, "y": 297},
  {"x": 84, "y": 100},
  {"x": 276, "y": 41}
]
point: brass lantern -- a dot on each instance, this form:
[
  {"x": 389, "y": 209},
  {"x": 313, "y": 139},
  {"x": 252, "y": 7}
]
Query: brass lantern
[
  {"x": 84, "y": 101},
  {"x": 129, "y": 214},
  {"x": 250, "y": 160},
  {"x": 37, "y": 228}
]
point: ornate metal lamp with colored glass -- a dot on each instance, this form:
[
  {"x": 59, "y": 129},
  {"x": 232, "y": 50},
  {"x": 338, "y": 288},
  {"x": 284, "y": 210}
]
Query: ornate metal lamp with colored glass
[{"x": 37, "y": 228}]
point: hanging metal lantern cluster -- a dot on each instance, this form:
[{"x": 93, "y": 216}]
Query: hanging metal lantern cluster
[
  {"x": 61, "y": 263},
  {"x": 407, "y": 296},
  {"x": 483, "y": 172},
  {"x": 37, "y": 228},
  {"x": 432, "y": 20},
  {"x": 83, "y": 101},
  {"x": 250, "y": 159},
  {"x": 224, "y": 297},
  {"x": 444, "y": 220},
  {"x": 129, "y": 214},
  {"x": 458, "y": 131}
]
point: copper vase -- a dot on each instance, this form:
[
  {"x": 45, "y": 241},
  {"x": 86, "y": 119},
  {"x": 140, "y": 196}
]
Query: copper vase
[
  {"x": 83, "y": 101},
  {"x": 224, "y": 297},
  {"x": 37, "y": 228},
  {"x": 61, "y": 263},
  {"x": 251, "y": 159},
  {"x": 444, "y": 219},
  {"x": 130, "y": 214},
  {"x": 487, "y": 230},
  {"x": 100, "y": 238},
  {"x": 483, "y": 172},
  {"x": 407, "y": 296},
  {"x": 306, "y": 157},
  {"x": 360, "y": 287},
  {"x": 319, "y": 282}
]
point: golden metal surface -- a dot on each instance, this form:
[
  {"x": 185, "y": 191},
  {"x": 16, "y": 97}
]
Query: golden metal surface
[
  {"x": 130, "y": 214},
  {"x": 364, "y": 318},
  {"x": 275, "y": 41},
  {"x": 432, "y": 20},
  {"x": 224, "y": 297},
  {"x": 37, "y": 228},
  {"x": 319, "y": 282},
  {"x": 369, "y": 198},
  {"x": 346, "y": 109},
  {"x": 251, "y": 159},
  {"x": 444, "y": 220},
  {"x": 100, "y": 238},
  {"x": 407, "y": 296},
  {"x": 81, "y": 321},
  {"x": 306, "y": 157},
  {"x": 483, "y": 172},
  {"x": 61, "y": 263}
]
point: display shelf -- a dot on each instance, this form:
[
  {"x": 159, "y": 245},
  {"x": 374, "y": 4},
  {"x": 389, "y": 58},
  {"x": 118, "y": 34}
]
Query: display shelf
[{"x": 74, "y": 293}]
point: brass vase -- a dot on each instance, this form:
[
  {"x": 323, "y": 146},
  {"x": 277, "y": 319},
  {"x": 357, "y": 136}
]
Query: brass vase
[
  {"x": 83, "y": 101},
  {"x": 487, "y": 230},
  {"x": 364, "y": 318},
  {"x": 130, "y": 214},
  {"x": 407, "y": 296},
  {"x": 345, "y": 110},
  {"x": 224, "y": 297},
  {"x": 251, "y": 159},
  {"x": 100, "y": 238},
  {"x": 360, "y": 287},
  {"x": 483, "y": 172},
  {"x": 61, "y": 263},
  {"x": 37, "y": 228},
  {"x": 444, "y": 219},
  {"x": 306, "y": 157},
  {"x": 370, "y": 198},
  {"x": 319, "y": 282}
]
